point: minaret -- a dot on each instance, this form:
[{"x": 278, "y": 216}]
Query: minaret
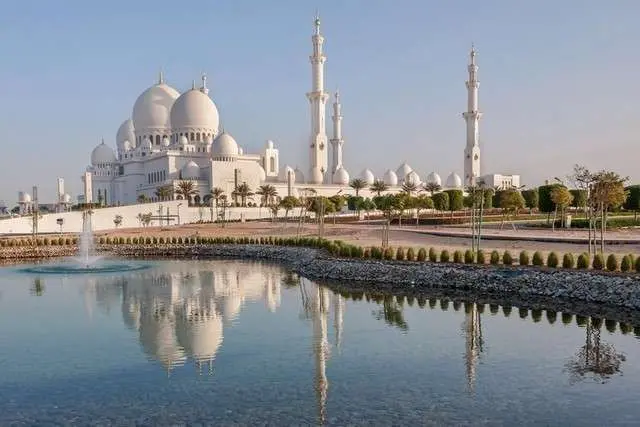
[
  {"x": 337, "y": 142},
  {"x": 320, "y": 350},
  {"x": 473, "y": 343},
  {"x": 338, "y": 319},
  {"x": 472, "y": 117},
  {"x": 317, "y": 99}
]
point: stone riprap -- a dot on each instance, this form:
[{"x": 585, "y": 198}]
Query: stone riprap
[{"x": 615, "y": 296}]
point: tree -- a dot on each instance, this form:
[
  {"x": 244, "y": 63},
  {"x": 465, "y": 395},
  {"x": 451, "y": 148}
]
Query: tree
[
  {"x": 142, "y": 198},
  {"x": 338, "y": 202},
  {"x": 267, "y": 193},
  {"x": 510, "y": 202},
  {"x": 288, "y": 203},
  {"x": 530, "y": 199},
  {"x": 432, "y": 187},
  {"x": 607, "y": 193},
  {"x": 117, "y": 220},
  {"x": 186, "y": 190},
  {"x": 422, "y": 202},
  {"x": 358, "y": 184},
  {"x": 367, "y": 205},
  {"x": 579, "y": 198},
  {"x": 632, "y": 203},
  {"x": 378, "y": 187},
  {"x": 583, "y": 179},
  {"x": 545, "y": 204},
  {"x": 456, "y": 200},
  {"x": 391, "y": 313},
  {"x": 561, "y": 198},
  {"x": 409, "y": 187},
  {"x": 244, "y": 192},
  {"x": 440, "y": 201},
  {"x": 164, "y": 192}
]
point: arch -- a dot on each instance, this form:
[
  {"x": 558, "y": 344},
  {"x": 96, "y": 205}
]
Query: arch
[
  {"x": 197, "y": 136},
  {"x": 157, "y": 139},
  {"x": 272, "y": 164},
  {"x": 193, "y": 136}
]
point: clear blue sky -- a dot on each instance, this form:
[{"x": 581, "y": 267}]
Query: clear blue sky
[{"x": 559, "y": 80}]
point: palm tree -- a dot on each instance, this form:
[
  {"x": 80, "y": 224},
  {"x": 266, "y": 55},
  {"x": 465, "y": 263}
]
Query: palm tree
[
  {"x": 410, "y": 188},
  {"x": 432, "y": 187},
  {"x": 268, "y": 193},
  {"x": 358, "y": 184},
  {"x": 143, "y": 198},
  {"x": 186, "y": 189},
  {"x": 243, "y": 191},
  {"x": 164, "y": 192},
  {"x": 379, "y": 187}
]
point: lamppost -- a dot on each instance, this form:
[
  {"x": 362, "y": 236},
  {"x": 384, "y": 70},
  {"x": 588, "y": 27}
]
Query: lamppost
[{"x": 178, "y": 207}]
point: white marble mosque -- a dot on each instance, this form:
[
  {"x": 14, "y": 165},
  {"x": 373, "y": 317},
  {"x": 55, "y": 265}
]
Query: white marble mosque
[{"x": 172, "y": 136}]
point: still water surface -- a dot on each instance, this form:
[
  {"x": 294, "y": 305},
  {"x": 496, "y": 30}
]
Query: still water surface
[{"x": 240, "y": 343}]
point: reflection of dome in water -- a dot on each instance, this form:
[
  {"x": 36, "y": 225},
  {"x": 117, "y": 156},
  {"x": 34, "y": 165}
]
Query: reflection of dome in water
[
  {"x": 231, "y": 306},
  {"x": 159, "y": 341},
  {"x": 200, "y": 334},
  {"x": 131, "y": 313}
]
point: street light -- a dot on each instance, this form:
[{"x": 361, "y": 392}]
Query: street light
[{"x": 179, "y": 204}]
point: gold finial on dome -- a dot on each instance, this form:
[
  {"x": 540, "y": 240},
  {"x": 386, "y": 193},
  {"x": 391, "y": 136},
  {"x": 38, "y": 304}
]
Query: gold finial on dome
[{"x": 161, "y": 77}]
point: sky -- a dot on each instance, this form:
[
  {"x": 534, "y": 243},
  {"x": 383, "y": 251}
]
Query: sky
[{"x": 558, "y": 80}]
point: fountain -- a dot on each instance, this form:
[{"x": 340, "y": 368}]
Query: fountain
[{"x": 86, "y": 261}]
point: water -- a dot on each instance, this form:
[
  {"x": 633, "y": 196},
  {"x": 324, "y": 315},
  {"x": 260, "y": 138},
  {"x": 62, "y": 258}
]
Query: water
[{"x": 236, "y": 343}]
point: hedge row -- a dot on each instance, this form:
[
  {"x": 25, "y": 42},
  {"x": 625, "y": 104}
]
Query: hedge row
[{"x": 53, "y": 241}]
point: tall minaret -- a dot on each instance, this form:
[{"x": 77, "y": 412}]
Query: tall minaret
[
  {"x": 336, "y": 142},
  {"x": 319, "y": 162},
  {"x": 472, "y": 117},
  {"x": 320, "y": 350}
]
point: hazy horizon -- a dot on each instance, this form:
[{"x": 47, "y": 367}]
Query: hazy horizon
[{"x": 558, "y": 81}]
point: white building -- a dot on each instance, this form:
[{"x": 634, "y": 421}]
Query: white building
[
  {"x": 502, "y": 182},
  {"x": 172, "y": 136}
]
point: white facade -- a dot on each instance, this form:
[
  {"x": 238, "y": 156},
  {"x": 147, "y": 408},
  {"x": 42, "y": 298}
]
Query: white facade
[{"x": 502, "y": 182}]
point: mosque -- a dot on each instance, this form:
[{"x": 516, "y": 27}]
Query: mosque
[{"x": 172, "y": 137}]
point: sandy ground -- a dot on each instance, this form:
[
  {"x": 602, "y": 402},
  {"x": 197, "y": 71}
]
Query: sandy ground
[{"x": 406, "y": 236}]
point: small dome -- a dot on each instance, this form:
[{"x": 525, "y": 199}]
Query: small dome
[
  {"x": 299, "y": 176},
  {"x": 102, "y": 154},
  {"x": 269, "y": 144},
  {"x": 341, "y": 177},
  {"x": 152, "y": 109},
  {"x": 390, "y": 178},
  {"x": 194, "y": 110},
  {"x": 403, "y": 170},
  {"x": 24, "y": 197},
  {"x": 125, "y": 133},
  {"x": 454, "y": 181},
  {"x": 412, "y": 178},
  {"x": 200, "y": 336},
  {"x": 166, "y": 141},
  {"x": 66, "y": 198},
  {"x": 240, "y": 151},
  {"x": 434, "y": 178},
  {"x": 317, "y": 177},
  {"x": 190, "y": 171},
  {"x": 183, "y": 140},
  {"x": 287, "y": 172},
  {"x": 367, "y": 176},
  {"x": 262, "y": 173},
  {"x": 146, "y": 144},
  {"x": 225, "y": 146}
]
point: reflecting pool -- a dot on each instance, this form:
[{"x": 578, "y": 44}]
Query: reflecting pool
[{"x": 246, "y": 343}]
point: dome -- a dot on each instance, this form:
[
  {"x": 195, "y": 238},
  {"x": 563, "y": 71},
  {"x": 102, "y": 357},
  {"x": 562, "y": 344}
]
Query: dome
[
  {"x": 194, "y": 110},
  {"x": 231, "y": 306},
  {"x": 434, "y": 178},
  {"x": 454, "y": 181},
  {"x": 125, "y": 133},
  {"x": 317, "y": 177},
  {"x": 183, "y": 140},
  {"x": 240, "y": 151},
  {"x": 66, "y": 198},
  {"x": 299, "y": 176},
  {"x": 367, "y": 176},
  {"x": 286, "y": 172},
  {"x": 403, "y": 170},
  {"x": 24, "y": 197},
  {"x": 225, "y": 146},
  {"x": 102, "y": 154},
  {"x": 262, "y": 173},
  {"x": 269, "y": 144},
  {"x": 200, "y": 336},
  {"x": 390, "y": 178},
  {"x": 412, "y": 178},
  {"x": 152, "y": 109},
  {"x": 190, "y": 171},
  {"x": 341, "y": 176},
  {"x": 159, "y": 341}
]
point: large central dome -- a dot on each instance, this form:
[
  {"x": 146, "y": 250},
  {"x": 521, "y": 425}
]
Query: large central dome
[
  {"x": 194, "y": 111},
  {"x": 152, "y": 109}
]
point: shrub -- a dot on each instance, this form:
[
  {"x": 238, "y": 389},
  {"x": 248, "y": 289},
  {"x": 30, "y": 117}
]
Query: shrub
[
  {"x": 480, "y": 257},
  {"x": 366, "y": 253},
  {"x": 632, "y": 258},
  {"x": 537, "y": 259},
  {"x": 494, "y": 258},
  {"x": 626, "y": 264},
  {"x": 524, "y": 258},
  {"x": 376, "y": 253},
  {"x": 583, "y": 261},
  {"x": 444, "y": 256},
  {"x": 161, "y": 240},
  {"x": 388, "y": 253},
  {"x": 128, "y": 241},
  {"x": 457, "y": 256},
  {"x": 400, "y": 254},
  {"x": 108, "y": 241},
  {"x": 568, "y": 261},
  {"x": 612, "y": 262},
  {"x": 422, "y": 254},
  {"x": 552, "y": 260},
  {"x": 598, "y": 262},
  {"x": 468, "y": 256},
  {"x": 433, "y": 256},
  {"x": 507, "y": 259},
  {"x": 411, "y": 254},
  {"x": 135, "y": 240}
]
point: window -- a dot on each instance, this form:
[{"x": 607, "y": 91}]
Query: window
[
  {"x": 198, "y": 136},
  {"x": 272, "y": 164}
]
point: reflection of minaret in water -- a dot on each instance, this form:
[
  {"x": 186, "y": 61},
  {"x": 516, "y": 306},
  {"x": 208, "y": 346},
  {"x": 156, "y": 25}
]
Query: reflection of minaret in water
[
  {"x": 338, "y": 310},
  {"x": 473, "y": 342},
  {"x": 320, "y": 349}
]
